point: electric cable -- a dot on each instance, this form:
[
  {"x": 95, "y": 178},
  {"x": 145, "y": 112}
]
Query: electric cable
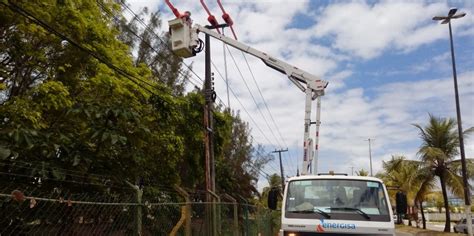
[
  {"x": 148, "y": 44},
  {"x": 251, "y": 94},
  {"x": 124, "y": 73},
  {"x": 243, "y": 107},
  {"x": 268, "y": 110},
  {"x": 147, "y": 28},
  {"x": 256, "y": 104}
]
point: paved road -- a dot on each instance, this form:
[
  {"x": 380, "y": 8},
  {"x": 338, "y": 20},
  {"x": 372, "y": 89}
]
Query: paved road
[
  {"x": 437, "y": 226},
  {"x": 403, "y": 234}
]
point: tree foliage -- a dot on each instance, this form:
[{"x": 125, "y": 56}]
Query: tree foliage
[
  {"x": 440, "y": 143},
  {"x": 110, "y": 99},
  {"x": 362, "y": 172}
]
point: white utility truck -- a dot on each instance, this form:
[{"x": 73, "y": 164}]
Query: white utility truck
[
  {"x": 336, "y": 205},
  {"x": 312, "y": 205}
]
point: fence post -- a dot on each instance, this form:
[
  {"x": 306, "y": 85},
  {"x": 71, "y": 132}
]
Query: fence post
[
  {"x": 246, "y": 215},
  {"x": 236, "y": 216},
  {"x": 216, "y": 229},
  {"x": 138, "y": 217},
  {"x": 187, "y": 210}
]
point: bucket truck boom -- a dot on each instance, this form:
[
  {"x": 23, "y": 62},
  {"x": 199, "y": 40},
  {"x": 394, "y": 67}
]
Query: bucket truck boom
[{"x": 184, "y": 42}]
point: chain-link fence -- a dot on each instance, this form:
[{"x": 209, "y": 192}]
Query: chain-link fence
[{"x": 34, "y": 209}]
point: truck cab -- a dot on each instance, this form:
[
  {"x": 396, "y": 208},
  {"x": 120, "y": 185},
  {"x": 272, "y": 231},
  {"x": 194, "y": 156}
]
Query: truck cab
[{"x": 336, "y": 205}]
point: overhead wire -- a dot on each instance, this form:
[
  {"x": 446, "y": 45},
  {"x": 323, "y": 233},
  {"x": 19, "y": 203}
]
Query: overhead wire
[
  {"x": 256, "y": 104},
  {"x": 148, "y": 44},
  {"x": 122, "y": 72},
  {"x": 251, "y": 94},
  {"x": 148, "y": 29},
  {"x": 196, "y": 83},
  {"x": 243, "y": 107},
  {"x": 268, "y": 110},
  {"x": 49, "y": 28}
]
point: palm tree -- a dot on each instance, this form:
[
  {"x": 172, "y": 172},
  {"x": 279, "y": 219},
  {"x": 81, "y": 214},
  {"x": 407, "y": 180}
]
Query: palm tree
[
  {"x": 439, "y": 146},
  {"x": 408, "y": 176},
  {"x": 362, "y": 172}
]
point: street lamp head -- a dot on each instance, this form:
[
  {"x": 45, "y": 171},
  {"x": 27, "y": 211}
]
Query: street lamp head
[
  {"x": 451, "y": 15},
  {"x": 452, "y": 11},
  {"x": 462, "y": 14}
]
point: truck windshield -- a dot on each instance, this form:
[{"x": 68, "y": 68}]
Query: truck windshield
[{"x": 337, "y": 199}]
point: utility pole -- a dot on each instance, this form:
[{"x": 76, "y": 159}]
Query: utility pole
[
  {"x": 208, "y": 116},
  {"x": 210, "y": 170},
  {"x": 352, "y": 170},
  {"x": 281, "y": 168},
  {"x": 370, "y": 155}
]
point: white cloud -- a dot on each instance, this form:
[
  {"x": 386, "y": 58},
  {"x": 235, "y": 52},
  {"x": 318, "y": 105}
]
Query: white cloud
[
  {"x": 350, "y": 114},
  {"x": 367, "y": 30},
  {"x": 349, "y": 118}
]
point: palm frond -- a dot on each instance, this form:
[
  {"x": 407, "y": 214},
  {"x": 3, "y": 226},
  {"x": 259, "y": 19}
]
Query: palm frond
[
  {"x": 456, "y": 166},
  {"x": 454, "y": 183},
  {"x": 467, "y": 132}
]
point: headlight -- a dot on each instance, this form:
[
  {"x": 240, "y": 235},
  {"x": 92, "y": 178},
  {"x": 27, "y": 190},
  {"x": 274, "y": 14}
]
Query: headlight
[{"x": 292, "y": 234}]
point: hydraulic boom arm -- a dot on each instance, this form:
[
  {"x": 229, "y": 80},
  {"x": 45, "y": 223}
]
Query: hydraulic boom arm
[
  {"x": 297, "y": 76},
  {"x": 184, "y": 43}
]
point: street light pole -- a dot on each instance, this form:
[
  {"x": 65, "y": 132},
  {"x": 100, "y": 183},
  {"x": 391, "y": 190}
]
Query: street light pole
[{"x": 467, "y": 195}]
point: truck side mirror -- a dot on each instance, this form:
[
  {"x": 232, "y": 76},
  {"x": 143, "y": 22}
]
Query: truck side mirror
[
  {"x": 401, "y": 202},
  {"x": 273, "y": 198}
]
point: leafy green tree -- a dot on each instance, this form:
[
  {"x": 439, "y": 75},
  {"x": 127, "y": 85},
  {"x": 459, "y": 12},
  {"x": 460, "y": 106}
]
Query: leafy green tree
[
  {"x": 238, "y": 162},
  {"x": 65, "y": 107},
  {"x": 153, "y": 49},
  {"x": 439, "y": 147},
  {"x": 108, "y": 97}
]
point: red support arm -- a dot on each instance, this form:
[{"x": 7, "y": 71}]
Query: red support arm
[
  {"x": 212, "y": 20},
  {"x": 173, "y": 9},
  {"x": 227, "y": 18}
]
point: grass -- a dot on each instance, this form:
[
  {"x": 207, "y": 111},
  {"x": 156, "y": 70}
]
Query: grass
[{"x": 420, "y": 232}]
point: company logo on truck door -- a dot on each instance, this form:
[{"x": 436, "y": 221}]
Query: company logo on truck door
[{"x": 324, "y": 225}]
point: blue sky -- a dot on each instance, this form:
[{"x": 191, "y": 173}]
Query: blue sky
[{"x": 387, "y": 63}]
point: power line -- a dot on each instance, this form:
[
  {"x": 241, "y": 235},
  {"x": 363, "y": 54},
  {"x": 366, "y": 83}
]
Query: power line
[
  {"x": 147, "y": 28},
  {"x": 122, "y": 72},
  {"x": 268, "y": 110},
  {"x": 243, "y": 107},
  {"x": 31, "y": 17},
  {"x": 148, "y": 44},
  {"x": 251, "y": 94},
  {"x": 256, "y": 104}
]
